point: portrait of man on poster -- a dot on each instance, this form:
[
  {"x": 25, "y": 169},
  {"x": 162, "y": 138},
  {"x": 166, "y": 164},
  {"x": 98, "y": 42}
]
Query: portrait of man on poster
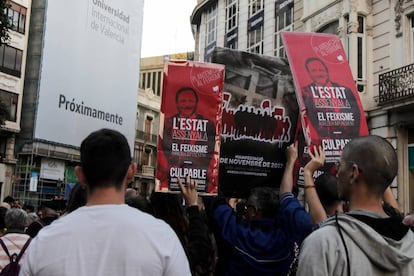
[
  {"x": 189, "y": 138},
  {"x": 331, "y": 108}
]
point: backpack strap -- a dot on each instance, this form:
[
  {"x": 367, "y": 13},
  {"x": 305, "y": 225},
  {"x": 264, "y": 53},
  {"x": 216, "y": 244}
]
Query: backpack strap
[
  {"x": 5, "y": 248},
  {"x": 20, "y": 253},
  {"x": 40, "y": 223},
  {"x": 23, "y": 250}
]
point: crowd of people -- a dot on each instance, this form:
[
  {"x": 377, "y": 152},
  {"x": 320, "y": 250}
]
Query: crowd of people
[{"x": 351, "y": 226}]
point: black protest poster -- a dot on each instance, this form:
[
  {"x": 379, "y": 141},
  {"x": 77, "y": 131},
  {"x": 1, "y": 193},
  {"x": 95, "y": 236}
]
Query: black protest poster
[{"x": 259, "y": 120}]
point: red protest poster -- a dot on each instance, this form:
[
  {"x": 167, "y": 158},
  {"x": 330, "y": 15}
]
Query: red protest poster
[
  {"x": 330, "y": 107},
  {"x": 189, "y": 138}
]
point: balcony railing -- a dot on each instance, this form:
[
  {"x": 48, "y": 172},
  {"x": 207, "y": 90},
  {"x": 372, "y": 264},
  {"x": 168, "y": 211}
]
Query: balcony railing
[
  {"x": 146, "y": 171},
  {"x": 396, "y": 85},
  {"x": 151, "y": 138}
]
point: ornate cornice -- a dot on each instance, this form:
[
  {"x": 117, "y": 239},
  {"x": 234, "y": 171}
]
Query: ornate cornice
[
  {"x": 353, "y": 6},
  {"x": 328, "y": 16}
]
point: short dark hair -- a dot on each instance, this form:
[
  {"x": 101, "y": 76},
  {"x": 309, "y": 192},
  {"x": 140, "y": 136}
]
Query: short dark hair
[
  {"x": 183, "y": 89},
  {"x": 327, "y": 188},
  {"x": 28, "y": 208},
  {"x": 140, "y": 203},
  {"x": 376, "y": 158},
  {"x": 77, "y": 198},
  {"x": 266, "y": 200},
  {"x": 105, "y": 158},
  {"x": 9, "y": 199},
  {"x": 312, "y": 59},
  {"x": 168, "y": 207}
]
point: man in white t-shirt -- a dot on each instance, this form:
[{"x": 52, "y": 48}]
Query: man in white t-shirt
[{"x": 106, "y": 237}]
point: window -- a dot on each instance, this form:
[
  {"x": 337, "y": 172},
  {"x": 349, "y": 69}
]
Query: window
[
  {"x": 211, "y": 32},
  {"x": 148, "y": 81},
  {"x": 17, "y": 15},
  {"x": 232, "y": 11},
  {"x": 255, "y": 31},
  {"x": 211, "y": 24},
  {"x": 145, "y": 158},
  {"x": 3, "y": 143},
  {"x": 255, "y": 6},
  {"x": 136, "y": 122},
  {"x": 412, "y": 37},
  {"x": 10, "y": 60},
  {"x": 142, "y": 80},
  {"x": 358, "y": 52},
  {"x": 255, "y": 41},
  {"x": 283, "y": 23},
  {"x": 331, "y": 28},
  {"x": 410, "y": 153},
  {"x": 361, "y": 55},
  {"x": 147, "y": 127},
  {"x": 139, "y": 149},
  {"x": 232, "y": 42},
  {"x": 158, "y": 89},
  {"x": 154, "y": 81},
  {"x": 232, "y": 14},
  {"x": 151, "y": 79},
  {"x": 10, "y": 101}
]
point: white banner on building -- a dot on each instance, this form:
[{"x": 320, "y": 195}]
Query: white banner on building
[
  {"x": 34, "y": 178},
  {"x": 89, "y": 69},
  {"x": 52, "y": 169}
]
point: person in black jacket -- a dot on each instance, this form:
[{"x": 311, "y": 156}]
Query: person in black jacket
[
  {"x": 200, "y": 247},
  {"x": 191, "y": 228},
  {"x": 263, "y": 240},
  {"x": 48, "y": 215}
]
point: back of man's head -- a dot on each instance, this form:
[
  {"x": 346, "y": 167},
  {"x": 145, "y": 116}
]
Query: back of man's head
[
  {"x": 265, "y": 200},
  {"x": 105, "y": 158},
  {"x": 9, "y": 200},
  {"x": 77, "y": 198},
  {"x": 140, "y": 203},
  {"x": 327, "y": 188},
  {"x": 376, "y": 159},
  {"x": 130, "y": 192},
  {"x": 15, "y": 219}
]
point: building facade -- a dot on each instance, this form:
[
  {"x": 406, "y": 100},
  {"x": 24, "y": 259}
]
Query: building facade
[
  {"x": 148, "y": 118},
  {"x": 378, "y": 37},
  {"x": 147, "y": 124},
  {"x": 12, "y": 75}
]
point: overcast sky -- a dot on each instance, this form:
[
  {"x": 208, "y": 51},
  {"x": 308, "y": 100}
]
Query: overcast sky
[{"x": 166, "y": 28}]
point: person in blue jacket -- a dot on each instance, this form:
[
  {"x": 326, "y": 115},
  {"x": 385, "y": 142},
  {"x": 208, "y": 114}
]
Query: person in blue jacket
[{"x": 263, "y": 242}]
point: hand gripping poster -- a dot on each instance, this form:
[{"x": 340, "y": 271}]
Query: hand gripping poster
[
  {"x": 189, "y": 138},
  {"x": 330, "y": 107},
  {"x": 259, "y": 120}
]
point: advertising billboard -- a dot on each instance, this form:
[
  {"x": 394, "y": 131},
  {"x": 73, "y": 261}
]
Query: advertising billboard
[{"x": 89, "y": 69}]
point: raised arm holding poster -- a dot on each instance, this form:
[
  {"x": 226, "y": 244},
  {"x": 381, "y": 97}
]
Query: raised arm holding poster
[
  {"x": 260, "y": 114},
  {"x": 330, "y": 107},
  {"x": 191, "y": 107}
]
